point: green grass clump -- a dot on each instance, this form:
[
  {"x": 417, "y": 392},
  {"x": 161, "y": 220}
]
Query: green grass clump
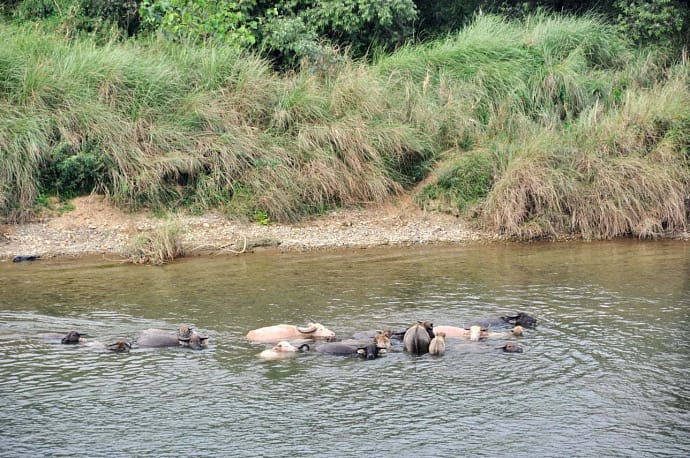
[{"x": 158, "y": 246}]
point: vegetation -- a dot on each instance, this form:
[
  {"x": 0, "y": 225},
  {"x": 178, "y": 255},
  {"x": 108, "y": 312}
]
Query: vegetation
[
  {"x": 538, "y": 126},
  {"x": 158, "y": 246}
]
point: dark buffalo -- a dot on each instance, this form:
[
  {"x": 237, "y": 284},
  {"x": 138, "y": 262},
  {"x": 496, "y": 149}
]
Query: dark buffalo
[
  {"x": 72, "y": 338},
  {"x": 25, "y": 258},
  {"x": 185, "y": 336},
  {"x": 515, "y": 319},
  {"x": 367, "y": 351},
  {"x": 417, "y": 338},
  {"x": 511, "y": 347}
]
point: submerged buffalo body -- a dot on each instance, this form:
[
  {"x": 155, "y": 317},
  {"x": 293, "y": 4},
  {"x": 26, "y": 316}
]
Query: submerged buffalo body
[
  {"x": 514, "y": 319},
  {"x": 367, "y": 351},
  {"x": 474, "y": 333},
  {"x": 280, "y": 332},
  {"x": 417, "y": 338},
  {"x": 185, "y": 336}
]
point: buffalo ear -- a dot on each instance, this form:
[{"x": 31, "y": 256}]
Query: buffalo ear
[{"x": 360, "y": 351}]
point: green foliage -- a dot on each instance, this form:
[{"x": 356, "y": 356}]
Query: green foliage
[
  {"x": 361, "y": 24},
  {"x": 84, "y": 15},
  {"x": 653, "y": 21},
  {"x": 199, "y": 20},
  {"x": 70, "y": 173},
  {"x": 462, "y": 181}
]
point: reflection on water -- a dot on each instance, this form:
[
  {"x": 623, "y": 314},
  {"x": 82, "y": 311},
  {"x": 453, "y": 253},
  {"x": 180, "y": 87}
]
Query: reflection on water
[{"x": 604, "y": 373}]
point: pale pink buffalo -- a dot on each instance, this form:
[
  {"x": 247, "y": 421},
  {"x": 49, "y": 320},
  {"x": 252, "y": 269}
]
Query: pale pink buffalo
[{"x": 280, "y": 332}]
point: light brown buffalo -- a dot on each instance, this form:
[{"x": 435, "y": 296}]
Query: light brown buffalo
[
  {"x": 280, "y": 332},
  {"x": 437, "y": 346}
]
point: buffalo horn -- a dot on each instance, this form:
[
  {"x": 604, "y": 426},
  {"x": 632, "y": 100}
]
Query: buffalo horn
[{"x": 306, "y": 330}]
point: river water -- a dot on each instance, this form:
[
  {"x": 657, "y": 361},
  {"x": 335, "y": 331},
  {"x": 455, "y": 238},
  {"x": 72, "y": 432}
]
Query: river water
[{"x": 605, "y": 373}]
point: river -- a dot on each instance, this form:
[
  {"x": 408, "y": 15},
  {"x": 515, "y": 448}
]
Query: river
[{"x": 606, "y": 372}]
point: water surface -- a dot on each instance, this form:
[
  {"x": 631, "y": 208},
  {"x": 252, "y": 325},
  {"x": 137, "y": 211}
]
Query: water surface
[{"x": 604, "y": 373}]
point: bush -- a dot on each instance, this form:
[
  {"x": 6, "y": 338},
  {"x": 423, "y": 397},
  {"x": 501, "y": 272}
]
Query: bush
[
  {"x": 70, "y": 173},
  {"x": 462, "y": 181}
]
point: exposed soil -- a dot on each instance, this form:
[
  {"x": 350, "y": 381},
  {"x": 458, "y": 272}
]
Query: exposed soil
[{"x": 95, "y": 227}]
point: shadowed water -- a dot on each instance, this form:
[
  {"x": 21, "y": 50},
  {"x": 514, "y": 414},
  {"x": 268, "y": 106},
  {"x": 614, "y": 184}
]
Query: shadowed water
[{"x": 604, "y": 373}]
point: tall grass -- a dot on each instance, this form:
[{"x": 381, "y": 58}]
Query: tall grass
[
  {"x": 582, "y": 129},
  {"x": 204, "y": 127},
  {"x": 551, "y": 126}
]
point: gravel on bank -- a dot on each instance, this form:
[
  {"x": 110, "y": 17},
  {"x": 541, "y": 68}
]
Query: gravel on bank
[{"x": 94, "y": 227}]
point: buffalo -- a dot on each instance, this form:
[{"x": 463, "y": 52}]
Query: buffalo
[
  {"x": 437, "y": 346},
  {"x": 366, "y": 351},
  {"x": 280, "y": 332},
  {"x": 417, "y": 337},
  {"x": 283, "y": 349},
  {"x": 72, "y": 338},
  {"x": 474, "y": 333},
  {"x": 511, "y": 347},
  {"x": 185, "y": 336},
  {"x": 120, "y": 346},
  {"x": 514, "y": 319}
]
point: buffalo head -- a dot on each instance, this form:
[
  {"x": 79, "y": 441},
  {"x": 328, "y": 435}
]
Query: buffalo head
[
  {"x": 370, "y": 351},
  {"x": 521, "y": 319},
  {"x": 73, "y": 337},
  {"x": 316, "y": 331},
  {"x": 120, "y": 346},
  {"x": 511, "y": 347}
]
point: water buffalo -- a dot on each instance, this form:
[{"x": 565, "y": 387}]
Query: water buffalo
[
  {"x": 283, "y": 349},
  {"x": 72, "y": 338},
  {"x": 120, "y": 346},
  {"x": 280, "y": 332},
  {"x": 518, "y": 331},
  {"x": 474, "y": 333},
  {"x": 382, "y": 340},
  {"x": 437, "y": 346},
  {"x": 511, "y": 347},
  {"x": 417, "y": 337},
  {"x": 367, "y": 351},
  {"x": 520, "y": 318},
  {"x": 25, "y": 258},
  {"x": 185, "y": 336}
]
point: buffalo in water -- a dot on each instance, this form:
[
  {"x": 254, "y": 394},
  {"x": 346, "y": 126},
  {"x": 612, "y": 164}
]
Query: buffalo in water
[
  {"x": 73, "y": 338},
  {"x": 511, "y": 347},
  {"x": 120, "y": 346},
  {"x": 271, "y": 334},
  {"x": 514, "y": 319},
  {"x": 417, "y": 337},
  {"x": 185, "y": 336},
  {"x": 283, "y": 349},
  {"x": 474, "y": 333},
  {"x": 367, "y": 351},
  {"x": 437, "y": 346}
]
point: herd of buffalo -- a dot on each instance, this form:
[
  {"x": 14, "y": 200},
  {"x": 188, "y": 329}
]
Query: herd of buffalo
[{"x": 420, "y": 338}]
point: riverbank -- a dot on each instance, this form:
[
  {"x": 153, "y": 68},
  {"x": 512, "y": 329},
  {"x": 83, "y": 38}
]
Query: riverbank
[{"x": 95, "y": 227}]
